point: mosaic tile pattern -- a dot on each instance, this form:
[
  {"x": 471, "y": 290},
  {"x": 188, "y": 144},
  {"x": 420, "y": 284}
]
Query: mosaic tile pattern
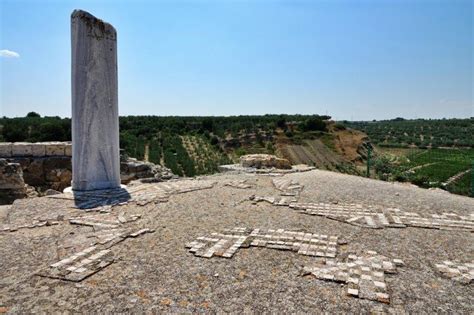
[
  {"x": 141, "y": 194},
  {"x": 287, "y": 187},
  {"x": 88, "y": 261},
  {"x": 227, "y": 243},
  {"x": 364, "y": 275},
  {"x": 371, "y": 217},
  {"x": 80, "y": 265},
  {"x": 276, "y": 201},
  {"x": 103, "y": 221},
  {"x": 34, "y": 224},
  {"x": 458, "y": 271},
  {"x": 242, "y": 184},
  {"x": 289, "y": 193}
]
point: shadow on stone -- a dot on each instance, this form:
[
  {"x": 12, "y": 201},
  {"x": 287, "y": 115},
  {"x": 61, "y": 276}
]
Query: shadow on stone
[{"x": 100, "y": 198}]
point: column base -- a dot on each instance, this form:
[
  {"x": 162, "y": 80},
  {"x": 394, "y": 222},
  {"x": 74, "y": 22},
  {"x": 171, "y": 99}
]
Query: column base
[{"x": 71, "y": 190}]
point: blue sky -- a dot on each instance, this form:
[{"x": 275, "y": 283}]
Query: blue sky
[{"x": 350, "y": 59}]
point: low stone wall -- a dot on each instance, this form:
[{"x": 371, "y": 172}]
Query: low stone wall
[
  {"x": 37, "y": 149},
  {"x": 45, "y": 172},
  {"x": 47, "y": 165}
]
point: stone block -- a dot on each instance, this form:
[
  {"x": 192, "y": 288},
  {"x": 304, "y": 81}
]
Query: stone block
[
  {"x": 68, "y": 149},
  {"x": 5, "y": 149},
  {"x": 38, "y": 149},
  {"x": 55, "y": 149},
  {"x": 11, "y": 176},
  {"x": 264, "y": 161},
  {"x": 21, "y": 149}
]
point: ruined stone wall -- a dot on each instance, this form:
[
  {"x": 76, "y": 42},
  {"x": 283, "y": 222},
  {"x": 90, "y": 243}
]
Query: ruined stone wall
[
  {"x": 47, "y": 165},
  {"x": 37, "y": 149}
]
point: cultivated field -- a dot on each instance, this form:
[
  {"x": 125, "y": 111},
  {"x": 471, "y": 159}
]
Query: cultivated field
[{"x": 450, "y": 169}]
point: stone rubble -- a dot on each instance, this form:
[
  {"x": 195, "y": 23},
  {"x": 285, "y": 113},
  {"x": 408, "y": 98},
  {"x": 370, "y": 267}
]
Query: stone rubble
[
  {"x": 458, "y": 271},
  {"x": 227, "y": 243},
  {"x": 364, "y": 275}
]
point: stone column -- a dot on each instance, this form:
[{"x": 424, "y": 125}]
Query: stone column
[{"x": 95, "y": 125}]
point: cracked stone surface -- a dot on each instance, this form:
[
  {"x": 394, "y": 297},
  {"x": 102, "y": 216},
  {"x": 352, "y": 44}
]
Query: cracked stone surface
[{"x": 155, "y": 273}]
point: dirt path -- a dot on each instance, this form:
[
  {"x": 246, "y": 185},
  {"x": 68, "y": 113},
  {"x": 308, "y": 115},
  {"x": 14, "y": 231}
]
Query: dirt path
[
  {"x": 419, "y": 166},
  {"x": 454, "y": 178}
]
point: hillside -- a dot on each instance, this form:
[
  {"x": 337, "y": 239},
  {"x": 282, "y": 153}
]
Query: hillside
[{"x": 192, "y": 146}]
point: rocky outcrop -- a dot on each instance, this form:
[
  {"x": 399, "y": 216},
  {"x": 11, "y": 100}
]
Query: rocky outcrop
[{"x": 264, "y": 161}]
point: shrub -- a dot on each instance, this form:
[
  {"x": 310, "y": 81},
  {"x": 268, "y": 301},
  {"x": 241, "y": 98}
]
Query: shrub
[
  {"x": 214, "y": 140},
  {"x": 313, "y": 124},
  {"x": 339, "y": 126}
]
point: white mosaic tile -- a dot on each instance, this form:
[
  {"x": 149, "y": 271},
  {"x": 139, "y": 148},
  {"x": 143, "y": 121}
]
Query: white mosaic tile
[
  {"x": 227, "y": 243},
  {"x": 367, "y": 216},
  {"x": 458, "y": 271},
  {"x": 364, "y": 275}
]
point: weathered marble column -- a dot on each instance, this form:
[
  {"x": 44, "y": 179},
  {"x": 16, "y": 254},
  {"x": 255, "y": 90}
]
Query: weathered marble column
[{"x": 95, "y": 125}]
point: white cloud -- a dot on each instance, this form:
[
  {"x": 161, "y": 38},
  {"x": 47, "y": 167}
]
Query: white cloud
[{"x": 9, "y": 54}]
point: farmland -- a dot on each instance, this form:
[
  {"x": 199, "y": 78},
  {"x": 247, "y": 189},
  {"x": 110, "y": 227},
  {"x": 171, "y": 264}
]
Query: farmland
[
  {"x": 421, "y": 133},
  {"x": 449, "y": 169}
]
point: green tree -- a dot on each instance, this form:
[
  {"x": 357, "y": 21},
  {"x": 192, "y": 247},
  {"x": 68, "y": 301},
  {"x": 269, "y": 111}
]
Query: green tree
[{"x": 32, "y": 115}]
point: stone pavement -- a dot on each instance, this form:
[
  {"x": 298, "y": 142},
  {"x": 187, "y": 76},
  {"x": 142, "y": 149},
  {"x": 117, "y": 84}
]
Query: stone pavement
[{"x": 326, "y": 248}]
